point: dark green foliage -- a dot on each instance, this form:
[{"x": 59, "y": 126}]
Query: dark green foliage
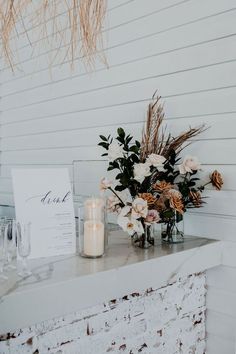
[{"x": 171, "y": 174}]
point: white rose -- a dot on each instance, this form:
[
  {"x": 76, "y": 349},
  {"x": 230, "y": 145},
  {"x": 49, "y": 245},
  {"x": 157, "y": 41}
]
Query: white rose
[
  {"x": 130, "y": 225},
  {"x": 141, "y": 170},
  {"x": 189, "y": 164},
  {"x": 115, "y": 151},
  {"x": 105, "y": 184},
  {"x": 156, "y": 161},
  {"x": 139, "y": 208}
]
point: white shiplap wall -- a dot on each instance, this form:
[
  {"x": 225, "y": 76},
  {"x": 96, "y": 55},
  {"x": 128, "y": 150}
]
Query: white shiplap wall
[{"x": 185, "y": 49}]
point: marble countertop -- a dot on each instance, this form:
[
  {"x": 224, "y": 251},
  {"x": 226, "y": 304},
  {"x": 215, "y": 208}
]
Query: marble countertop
[{"x": 61, "y": 285}]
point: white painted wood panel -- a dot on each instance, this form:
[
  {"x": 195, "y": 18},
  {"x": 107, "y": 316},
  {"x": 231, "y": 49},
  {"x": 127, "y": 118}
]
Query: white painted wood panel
[
  {"x": 187, "y": 82},
  {"x": 219, "y": 51},
  {"x": 182, "y": 37}
]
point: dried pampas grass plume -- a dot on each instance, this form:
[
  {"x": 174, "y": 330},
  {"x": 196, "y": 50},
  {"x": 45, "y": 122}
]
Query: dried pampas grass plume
[
  {"x": 150, "y": 136},
  {"x": 154, "y": 137},
  {"x": 84, "y": 26}
]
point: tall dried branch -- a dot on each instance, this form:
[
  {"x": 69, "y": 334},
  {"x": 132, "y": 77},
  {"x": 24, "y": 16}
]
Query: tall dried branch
[
  {"x": 155, "y": 138},
  {"x": 150, "y": 135},
  {"x": 180, "y": 142}
]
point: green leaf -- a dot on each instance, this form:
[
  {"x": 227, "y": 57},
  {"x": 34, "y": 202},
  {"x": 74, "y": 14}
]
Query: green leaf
[
  {"x": 120, "y": 175},
  {"x": 104, "y": 145},
  {"x": 103, "y": 137},
  {"x": 121, "y": 132},
  {"x": 120, "y": 139},
  {"x": 168, "y": 214},
  {"x": 137, "y": 143},
  {"x": 134, "y": 148},
  {"x": 115, "y": 164},
  {"x": 105, "y": 154},
  {"x": 179, "y": 217},
  {"x": 135, "y": 158},
  {"x": 128, "y": 139},
  {"x": 120, "y": 188}
]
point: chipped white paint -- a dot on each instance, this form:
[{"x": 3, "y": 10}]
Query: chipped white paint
[{"x": 166, "y": 320}]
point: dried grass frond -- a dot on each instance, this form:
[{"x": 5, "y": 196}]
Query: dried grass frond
[
  {"x": 155, "y": 138},
  {"x": 92, "y": 15},
  {"x": 177, "y": 143},
  {"x": 150, "y": 135},
  {"x": 85, "y": 20}
]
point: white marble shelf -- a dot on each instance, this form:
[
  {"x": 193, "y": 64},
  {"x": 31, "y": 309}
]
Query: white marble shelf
[{"x": 62, "y": 285}]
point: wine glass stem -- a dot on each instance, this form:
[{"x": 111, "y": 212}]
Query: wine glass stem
[
  {"x": 2, "y": 276},
  {"x": 24, "y": 263}
]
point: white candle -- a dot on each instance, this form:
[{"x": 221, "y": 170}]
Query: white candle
[
  {"x": 94, "y": 209},
  {"x": 93, "y": 238}
]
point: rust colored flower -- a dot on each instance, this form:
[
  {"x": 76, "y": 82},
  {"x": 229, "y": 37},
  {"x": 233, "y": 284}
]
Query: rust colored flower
[
  {"x": 150, "y": 199},
  {"x": 160, "y": 205},
  {"x": 196, "y": 198},
  {"x": 176, "y": 202},
  {"x": 216, "y": 180},
  {"x": 162, "y": 186}
]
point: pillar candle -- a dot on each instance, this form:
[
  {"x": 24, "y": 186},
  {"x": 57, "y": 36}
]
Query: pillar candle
[
  {"x": 94, "y": 209},
  {"x": 93, "y": 238}
]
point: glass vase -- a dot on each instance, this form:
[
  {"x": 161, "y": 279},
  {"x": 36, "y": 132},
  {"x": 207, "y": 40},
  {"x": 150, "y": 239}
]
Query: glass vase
[
  {"x": 172, "y": 229},
  {"x": 92, "y": 228},
  {"x": 146, "y": 239}
]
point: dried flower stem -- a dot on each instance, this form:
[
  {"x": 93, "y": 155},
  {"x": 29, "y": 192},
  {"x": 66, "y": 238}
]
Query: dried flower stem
[
  {"x": 114, "y": 192},
  {"x": 154, "y": 141}
]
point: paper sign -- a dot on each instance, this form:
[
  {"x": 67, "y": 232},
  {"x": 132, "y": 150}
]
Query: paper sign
[{"x": 44, "y": 198}]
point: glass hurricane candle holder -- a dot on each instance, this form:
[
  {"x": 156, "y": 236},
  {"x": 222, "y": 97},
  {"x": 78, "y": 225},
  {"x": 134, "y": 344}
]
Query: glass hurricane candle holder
[{"x": 92, "y": 228}]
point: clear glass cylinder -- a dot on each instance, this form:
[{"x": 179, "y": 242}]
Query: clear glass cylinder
[
  {"x": 172, "y": 229},
  {"x": 146, "y": 239},
  {"x": 92, "y": 228}
]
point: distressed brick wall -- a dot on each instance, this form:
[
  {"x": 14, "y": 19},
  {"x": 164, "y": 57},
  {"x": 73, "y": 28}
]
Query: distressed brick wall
[{"x": 167, "y": 320}]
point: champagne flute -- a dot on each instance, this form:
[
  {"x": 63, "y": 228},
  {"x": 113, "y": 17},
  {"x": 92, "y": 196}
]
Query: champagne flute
[
  {"x": 10, "y": 242},
  {"x": 24, "y": 246},
  {"x": 2, "y": 252}
]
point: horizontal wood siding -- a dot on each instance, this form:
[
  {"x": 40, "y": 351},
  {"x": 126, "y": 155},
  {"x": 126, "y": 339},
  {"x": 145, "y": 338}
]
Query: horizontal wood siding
[{"x": 186, "y": 49}]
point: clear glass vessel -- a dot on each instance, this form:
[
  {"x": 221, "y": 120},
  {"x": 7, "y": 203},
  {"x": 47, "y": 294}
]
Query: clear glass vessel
[
  {"x": 92, "y": 228},
  {"x": 146, "y": 239},
  {"x": 24, "y": 247},
  {"x": 172, "y": 229},
  {"x": 2, "y": 250},
  {"x": 10, "y": 243}
]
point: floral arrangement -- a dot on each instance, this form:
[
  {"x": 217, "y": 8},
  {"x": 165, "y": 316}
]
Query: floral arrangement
[{"x": 154, "y": 184}]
